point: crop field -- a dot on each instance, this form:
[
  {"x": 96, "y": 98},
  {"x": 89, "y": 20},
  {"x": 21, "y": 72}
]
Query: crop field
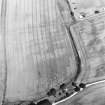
[
  {"x": 90, "y": 38},
  {"x": 87, "y": 8},
  {"x": 35, "y": 49}
]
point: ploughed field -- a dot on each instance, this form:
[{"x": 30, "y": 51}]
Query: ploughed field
[
  {"x": 36, "y": 51},
  {"x": 41, "y": 49}
]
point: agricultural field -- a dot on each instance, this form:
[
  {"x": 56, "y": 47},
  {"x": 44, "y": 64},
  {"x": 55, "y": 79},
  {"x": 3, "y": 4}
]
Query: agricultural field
[
  {"x": 52, "y": 44},
  {"x": 87, "y": 8},
  {"x": 35, "y": 48},
  {"x": 90, "y": 38}
]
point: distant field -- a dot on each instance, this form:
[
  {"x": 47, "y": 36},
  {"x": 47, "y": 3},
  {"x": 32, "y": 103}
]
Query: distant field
[
  {"x": 86, "y": 8},
  {"x": 90, "y": 38}
]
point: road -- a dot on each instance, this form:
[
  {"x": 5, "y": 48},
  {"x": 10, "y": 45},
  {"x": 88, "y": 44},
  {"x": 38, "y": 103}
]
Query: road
[{"x": 93, "y": 94}]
